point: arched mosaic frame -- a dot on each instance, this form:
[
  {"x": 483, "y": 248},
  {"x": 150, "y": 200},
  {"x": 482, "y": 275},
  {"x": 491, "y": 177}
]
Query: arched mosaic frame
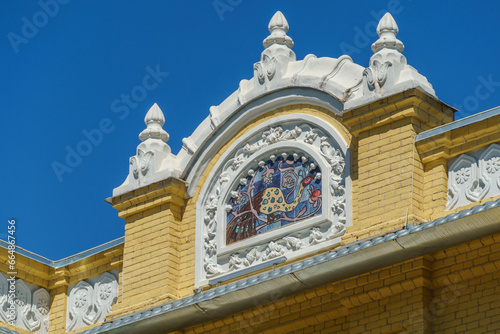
[{"x": 297, "y": 135}]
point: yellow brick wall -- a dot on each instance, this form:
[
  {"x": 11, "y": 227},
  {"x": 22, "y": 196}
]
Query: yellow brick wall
[
  {"x": 461, "y": 140},
  {"x": 393, "y": 183},
  {"x": 390, "y": 190},
  {"x": 456, "y": 290},
  {"x": 378, "y": 302},
  {"x": 151, "y": 242},
  {"x": 467, "y": 295},
  {"x": 150, "y": 273},
  {"x": 28, "y": 270},
  {"x": 390, "y": 177},
  {"x": 58, "y": 307},
  {"x": 187, "y": 247},
  {"x": 435, "y": 186}
]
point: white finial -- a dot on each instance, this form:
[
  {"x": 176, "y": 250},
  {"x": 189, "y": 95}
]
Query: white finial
[
  {"x": 278, "y": 21},
  {"x": 154, "y": 125},
  {"x": 387, "y": 30},
  {"x": 278, "y": 27}
]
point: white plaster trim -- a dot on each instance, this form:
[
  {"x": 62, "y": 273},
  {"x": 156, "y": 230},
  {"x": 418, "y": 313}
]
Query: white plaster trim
[
  {"x": 31, "y": 304},
  {"x": 474, "y": 176},
  {"x": 89, "y": 301},
  {"x": 194, "y": 165},
  {"x": 388, "y": 72}
]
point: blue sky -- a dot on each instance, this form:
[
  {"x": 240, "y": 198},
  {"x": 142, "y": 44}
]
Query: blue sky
[{"x": 66, "y": 71}]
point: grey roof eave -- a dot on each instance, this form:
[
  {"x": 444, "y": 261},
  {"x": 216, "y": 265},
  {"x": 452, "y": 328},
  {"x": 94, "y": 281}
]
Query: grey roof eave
[
  {"x": 68, "y": 260},
  {"x": 350, "y": 260},
  {"x": 458, "y": 124}
]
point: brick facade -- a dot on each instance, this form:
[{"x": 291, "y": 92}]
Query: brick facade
[{"x": 443, "y": 278}]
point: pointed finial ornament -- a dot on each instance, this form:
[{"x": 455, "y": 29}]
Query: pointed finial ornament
[
  {"x": 387, "y": 31},
  {"x": 154, "y": 121},
  {"x": 278, "y": 27}
]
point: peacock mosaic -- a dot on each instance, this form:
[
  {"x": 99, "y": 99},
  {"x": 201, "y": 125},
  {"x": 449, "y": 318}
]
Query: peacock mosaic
[{"x": 281, "y": 190}]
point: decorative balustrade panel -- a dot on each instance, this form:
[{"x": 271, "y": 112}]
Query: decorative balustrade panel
[
  {"x": 473, "y": 177},
  {"x": 24, "y": 305},
  {"x": 89, "y": 301}
]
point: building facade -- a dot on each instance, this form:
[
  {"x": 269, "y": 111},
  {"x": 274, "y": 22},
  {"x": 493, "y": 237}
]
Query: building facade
[{"x": 322, "y": 196}]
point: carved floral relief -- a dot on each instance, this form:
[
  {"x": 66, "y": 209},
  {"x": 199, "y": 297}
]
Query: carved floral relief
[
  {"x": 473, "y": 177},
  {"x": 31, "y": 305},
  {"x": 90, "y": 301}
]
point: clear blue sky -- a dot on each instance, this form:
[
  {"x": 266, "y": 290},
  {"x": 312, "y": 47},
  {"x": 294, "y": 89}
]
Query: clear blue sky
[{"x": 61, "y": 75}]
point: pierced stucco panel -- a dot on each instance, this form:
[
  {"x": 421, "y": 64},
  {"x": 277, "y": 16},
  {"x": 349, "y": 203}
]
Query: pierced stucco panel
[
  {"x": 474, "y": 176},
  {"x": 24, "y": 305},
  {"x": 90, "y": 301}
]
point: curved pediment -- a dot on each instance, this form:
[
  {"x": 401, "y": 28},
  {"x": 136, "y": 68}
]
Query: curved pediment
[{"x": 336, "y": 84}]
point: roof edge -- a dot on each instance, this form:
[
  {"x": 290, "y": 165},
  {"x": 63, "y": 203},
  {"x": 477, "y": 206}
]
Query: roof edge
[
  {"x": 67, "y": 260},
  {"x": 352, "y": 259},
  {"x": 458, "y": 124}
]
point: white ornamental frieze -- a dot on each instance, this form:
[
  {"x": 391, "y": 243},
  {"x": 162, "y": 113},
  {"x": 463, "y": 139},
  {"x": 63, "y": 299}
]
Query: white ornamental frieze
[
  {"x": 26, "y": 306},
  {"x": 473, "y": 177},
  {"x": 90, "y": 301}
]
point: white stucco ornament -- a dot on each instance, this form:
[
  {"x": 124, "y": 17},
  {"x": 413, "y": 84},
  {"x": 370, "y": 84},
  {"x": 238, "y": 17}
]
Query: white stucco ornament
[
  {"x": 40, "y": 309},
  {"x": 31, "y": 303},
  {"x": 90, "y": 301},
  {"x": 278, "y": 50},
  {"x": 154, "y": 129},
  {"x": 153, "y": 160},
  {"x": 278, "y": 27},
  {"x": 388, "y": 72},
  {"x": 279, "y": 79},
  {"x": 473, "y": 177}
]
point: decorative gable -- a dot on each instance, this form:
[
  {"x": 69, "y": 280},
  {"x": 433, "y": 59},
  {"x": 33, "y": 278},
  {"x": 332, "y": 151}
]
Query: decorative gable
[{"x": 282, "y": 189}]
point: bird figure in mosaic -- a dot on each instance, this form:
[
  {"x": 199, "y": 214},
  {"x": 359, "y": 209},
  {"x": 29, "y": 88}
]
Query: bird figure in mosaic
[{"x": 270, "y": 202}]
